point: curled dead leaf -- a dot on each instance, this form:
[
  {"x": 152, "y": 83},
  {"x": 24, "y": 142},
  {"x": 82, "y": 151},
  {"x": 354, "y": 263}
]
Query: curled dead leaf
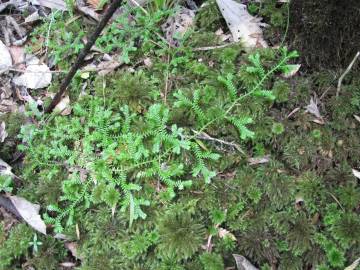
[
  {"x": 242, "y": 263},
  {"x": 29, "y": 212},
  {"x": 243, "y": 26}
]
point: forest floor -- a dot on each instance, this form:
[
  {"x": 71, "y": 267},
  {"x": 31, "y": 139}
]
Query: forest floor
[{"x": 176, "y": 146}]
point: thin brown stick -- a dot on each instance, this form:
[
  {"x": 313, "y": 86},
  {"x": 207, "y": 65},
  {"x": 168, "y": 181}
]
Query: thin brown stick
[
  {"x": 214, "y": 47},
  {"x": 91, "y": 41},
  {"x": 205, "y": 136},
  {"x": 346, "y": 72}
]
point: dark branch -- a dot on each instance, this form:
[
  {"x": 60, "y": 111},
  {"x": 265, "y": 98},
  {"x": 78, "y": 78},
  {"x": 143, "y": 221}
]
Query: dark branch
[{"x": 91, "y": 41}]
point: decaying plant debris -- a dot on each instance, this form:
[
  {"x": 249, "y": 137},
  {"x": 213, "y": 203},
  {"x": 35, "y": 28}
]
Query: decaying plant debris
[{"x": 192, "y": 135}]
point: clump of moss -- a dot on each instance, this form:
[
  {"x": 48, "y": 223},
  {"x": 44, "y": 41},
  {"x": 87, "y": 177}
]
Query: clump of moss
[
  {"x": 212, "y": 261},
  {"x": 133, "y": 89},
  {"x": 13, "y": 122},
  {"x": 180, "y": 235},
  {"x": 209, "y": 17},
  {"x": 15, "y": 245}
]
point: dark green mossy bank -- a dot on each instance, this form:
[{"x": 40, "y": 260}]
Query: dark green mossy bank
[{"x": 325, "y": 31}]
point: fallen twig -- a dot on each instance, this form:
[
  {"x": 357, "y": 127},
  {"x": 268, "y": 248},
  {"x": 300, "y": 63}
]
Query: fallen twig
[
  {"x": 91, "y": 41},
  {"x": 214, "y": 47},
  {"x": 204, "y": 136},
  {"x": 345, "y": 73}
]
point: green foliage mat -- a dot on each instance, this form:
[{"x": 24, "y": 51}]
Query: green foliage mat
[{"x": 152, "y": 169}]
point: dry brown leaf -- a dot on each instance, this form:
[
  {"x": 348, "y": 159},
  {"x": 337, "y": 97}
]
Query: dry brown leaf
[
  {"x": 94, "y": 4},
  {"x": 81, "y": 6},
  {"x": 242, "y": 263},
  {"x": 259, "y": 160},
  {"x": 29, "y": 212},
  {"x": 242, "y": 25}
]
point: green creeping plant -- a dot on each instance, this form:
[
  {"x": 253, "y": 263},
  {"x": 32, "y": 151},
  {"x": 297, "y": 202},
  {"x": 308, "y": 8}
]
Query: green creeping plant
[
  {"x": 110, "y": 158},
  {"x": 107, "y": 156}
]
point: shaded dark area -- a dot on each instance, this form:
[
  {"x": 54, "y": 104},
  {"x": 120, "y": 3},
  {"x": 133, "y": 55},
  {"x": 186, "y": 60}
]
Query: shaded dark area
[{"x": 326, "y": 32}]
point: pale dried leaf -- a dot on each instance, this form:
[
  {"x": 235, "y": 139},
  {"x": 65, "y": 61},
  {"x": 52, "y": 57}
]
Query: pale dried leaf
[
  {"x": 72, "y": 247},
  {"x": 356, "y": 173},
  {"x": 63, "y": 106},
  {"x": 148, "y": 62},
  {"x": 292, "y": 70},
  {"x": 18, "y": 56},
  {"x": 61, "y": 236},
  {"x": 94, "y": 4},
  {"x": 3, "y": 133},
  {"x": 35, "y": 77},
  {"x": 221, "y": 35},
  {"x": 5, "y": 169},
  {"x": 6, "y": 4},
  {"x": 31, "y": 59},
  {"x": 242, "y": 25},
  {"x": 299, "y": 202},
  {"x": 225, "y": 233},
  {"x": 176, "y": 26},
  {"x": 52, "y": 4},
  {"x": 106, "y": 67},
  {"x": 5, "y": 59},
  {"x": 354, "y": 265},
  {"x": 243, "y": 264},
  {"x": 312, "y": 108},
  {"x": 87, "y": 10},
  {"x": 259, "y": 160},
  {"x": 357, "y": 118},
  {"x": 29, "y": 212},
  {"x": 35, "y": 16},
  {"x": 67, "y": 264}
]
